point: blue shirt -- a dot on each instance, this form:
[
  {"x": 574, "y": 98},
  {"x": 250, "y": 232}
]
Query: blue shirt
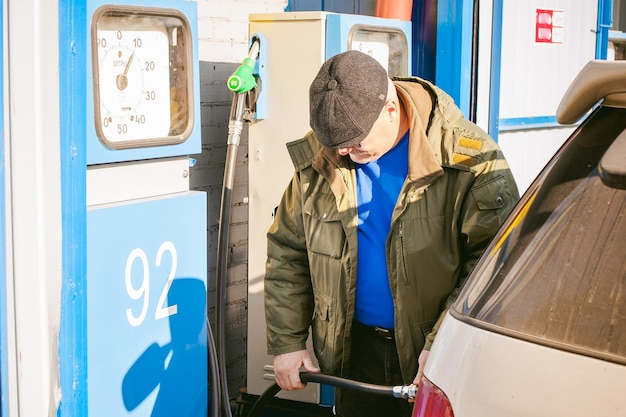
[{"x": 378, "y": 185}]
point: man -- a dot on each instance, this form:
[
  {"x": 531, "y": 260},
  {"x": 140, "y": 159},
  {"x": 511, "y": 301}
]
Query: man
[{"x": 395, "y": 196}]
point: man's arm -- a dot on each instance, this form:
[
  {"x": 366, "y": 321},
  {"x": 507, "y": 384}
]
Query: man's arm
[
  {"x": 288, "y": 291},
  {"x": 491, "y": 198}
]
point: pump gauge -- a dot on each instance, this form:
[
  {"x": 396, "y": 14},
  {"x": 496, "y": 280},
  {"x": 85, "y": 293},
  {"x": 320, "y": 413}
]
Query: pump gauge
[
  {"x": 388, "y": 45},
  {"x": 142, "y": 77}
]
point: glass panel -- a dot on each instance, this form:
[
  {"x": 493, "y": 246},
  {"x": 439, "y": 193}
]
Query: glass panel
[{"x": 557, "y": 272}]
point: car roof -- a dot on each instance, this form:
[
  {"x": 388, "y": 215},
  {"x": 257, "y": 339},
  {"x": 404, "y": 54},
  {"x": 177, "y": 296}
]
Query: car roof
[{"x": 598, "y": 80}]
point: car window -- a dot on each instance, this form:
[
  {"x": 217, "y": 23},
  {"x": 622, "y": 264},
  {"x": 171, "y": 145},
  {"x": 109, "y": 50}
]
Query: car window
[{"x": 556, "y": 272}]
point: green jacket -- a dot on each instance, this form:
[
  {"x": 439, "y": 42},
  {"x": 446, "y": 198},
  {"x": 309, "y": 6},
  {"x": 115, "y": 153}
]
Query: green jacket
[{"x": 458, "y": 191}]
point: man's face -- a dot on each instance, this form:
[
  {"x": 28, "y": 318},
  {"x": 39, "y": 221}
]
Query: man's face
[{"x": 378, "y": 142}]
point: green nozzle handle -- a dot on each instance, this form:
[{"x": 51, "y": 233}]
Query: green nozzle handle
[{"x": 242, "y": 79}]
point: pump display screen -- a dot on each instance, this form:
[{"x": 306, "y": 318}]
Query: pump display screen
[{"x": 387, "y": 45}]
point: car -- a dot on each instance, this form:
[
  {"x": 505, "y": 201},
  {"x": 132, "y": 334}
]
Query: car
[{"x": 539, "y": 327}]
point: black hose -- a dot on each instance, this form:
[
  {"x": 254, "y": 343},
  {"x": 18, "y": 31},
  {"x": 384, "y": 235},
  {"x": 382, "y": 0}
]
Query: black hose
[
  {"x": 214, "y": 375},
  {"x": 235, "y": 127},
  {"x": 346, "y": 383},
  {"x": 336, "y": 381},
  {"x": 262, "y": 401}
]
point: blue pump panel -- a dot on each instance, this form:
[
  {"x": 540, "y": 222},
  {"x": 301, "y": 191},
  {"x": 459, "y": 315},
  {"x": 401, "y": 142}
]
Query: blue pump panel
[
  {"x": 146, "y": 307},
  {"x": 97, "y": 151}
]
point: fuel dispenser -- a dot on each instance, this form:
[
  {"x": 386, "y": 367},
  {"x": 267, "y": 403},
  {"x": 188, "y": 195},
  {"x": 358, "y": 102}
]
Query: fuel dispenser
[
  {"x": 143, "y": 326},
  {"x": 293, "y": 46}
]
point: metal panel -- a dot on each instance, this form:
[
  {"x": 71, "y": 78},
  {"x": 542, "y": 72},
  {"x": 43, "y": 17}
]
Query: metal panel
[
  {"x": 535, "y": 75},
  {"x": 109, "y": 183},
  {"x": 146, "y": 307},
  {"x": 72, "y": 334}
]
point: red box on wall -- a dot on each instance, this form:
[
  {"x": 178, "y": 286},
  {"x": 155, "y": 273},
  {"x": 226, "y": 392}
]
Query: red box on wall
[{"x": 549, "y": 26}]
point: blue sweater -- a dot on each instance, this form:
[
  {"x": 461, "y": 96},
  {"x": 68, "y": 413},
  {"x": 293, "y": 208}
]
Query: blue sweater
[{"x": 378, "y": 186}]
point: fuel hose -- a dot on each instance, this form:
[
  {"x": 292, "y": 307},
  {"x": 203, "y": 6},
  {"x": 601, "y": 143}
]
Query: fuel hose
[
  {"x": 399, "y": 391},
  {"x": 241, "y": 82}
]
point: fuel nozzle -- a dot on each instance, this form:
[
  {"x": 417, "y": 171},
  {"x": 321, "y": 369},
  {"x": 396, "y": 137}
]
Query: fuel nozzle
[
  {"x": 404, "y": 391},
  {"x": 242, "y": 79}
]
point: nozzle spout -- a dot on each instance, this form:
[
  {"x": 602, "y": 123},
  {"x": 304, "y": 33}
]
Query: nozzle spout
[{"x": 405, "y": 391}]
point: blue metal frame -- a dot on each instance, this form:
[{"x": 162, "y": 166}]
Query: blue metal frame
[
  {"x": 454, "y": 49},
  {"x": 424, "y": 26},
  {"x": 72, "y": 84},
  {"x": 496, "y": 69},
  {"x": 526, "y": 123},
  {"x": 605, "y": 22}
]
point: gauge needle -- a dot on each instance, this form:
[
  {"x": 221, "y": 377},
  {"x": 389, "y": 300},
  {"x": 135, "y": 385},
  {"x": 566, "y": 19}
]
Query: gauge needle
[
  {"x": 130, "y": 60},
  {"x": 122, "y": 80}
]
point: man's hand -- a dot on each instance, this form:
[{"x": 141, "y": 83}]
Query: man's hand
[
  {"x": 421, "y": 363},
  {"x": 287, "y": 369}
]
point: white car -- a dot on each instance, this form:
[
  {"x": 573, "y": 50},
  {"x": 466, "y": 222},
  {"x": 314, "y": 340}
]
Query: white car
[{"x": 539, "y": 328}]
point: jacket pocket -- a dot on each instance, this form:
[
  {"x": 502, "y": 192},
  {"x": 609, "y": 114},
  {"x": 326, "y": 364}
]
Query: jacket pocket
[
  {"x": 323, "y": 228},
  {"x": 492, "y": 195},
  {"x": 421, "y": 330},
  {"x": 323, "y": 330}
]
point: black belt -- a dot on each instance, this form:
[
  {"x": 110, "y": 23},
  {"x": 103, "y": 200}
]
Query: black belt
[{"x": 386, "y": 334}]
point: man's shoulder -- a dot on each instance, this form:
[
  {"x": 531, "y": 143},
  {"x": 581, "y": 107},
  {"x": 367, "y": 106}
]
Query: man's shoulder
[
  {"x": 303, "y": 151},
  {"x": 471, "y": 145}
]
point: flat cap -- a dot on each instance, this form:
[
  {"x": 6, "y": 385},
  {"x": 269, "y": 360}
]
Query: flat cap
[{"x": 346, "y": 98}]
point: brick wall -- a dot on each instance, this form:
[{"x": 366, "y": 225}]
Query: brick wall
[{"x": 223, "y": 44}]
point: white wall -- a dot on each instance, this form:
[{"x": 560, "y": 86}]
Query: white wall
[{"x": 535, "y": 76}]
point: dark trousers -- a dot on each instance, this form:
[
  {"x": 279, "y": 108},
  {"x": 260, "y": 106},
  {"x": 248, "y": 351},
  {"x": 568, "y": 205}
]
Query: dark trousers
[{"x": 374, "y": 360}]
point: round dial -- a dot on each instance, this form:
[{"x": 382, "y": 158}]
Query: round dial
[{"x": 141, "y": 77}]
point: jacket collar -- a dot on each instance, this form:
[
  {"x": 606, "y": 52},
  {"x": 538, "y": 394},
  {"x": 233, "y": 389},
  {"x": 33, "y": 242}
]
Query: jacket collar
[{"x": 418, "y": 104}]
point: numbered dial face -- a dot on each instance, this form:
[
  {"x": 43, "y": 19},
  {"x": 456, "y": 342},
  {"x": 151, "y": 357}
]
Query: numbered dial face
[{"x": 141, "y": 78}]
